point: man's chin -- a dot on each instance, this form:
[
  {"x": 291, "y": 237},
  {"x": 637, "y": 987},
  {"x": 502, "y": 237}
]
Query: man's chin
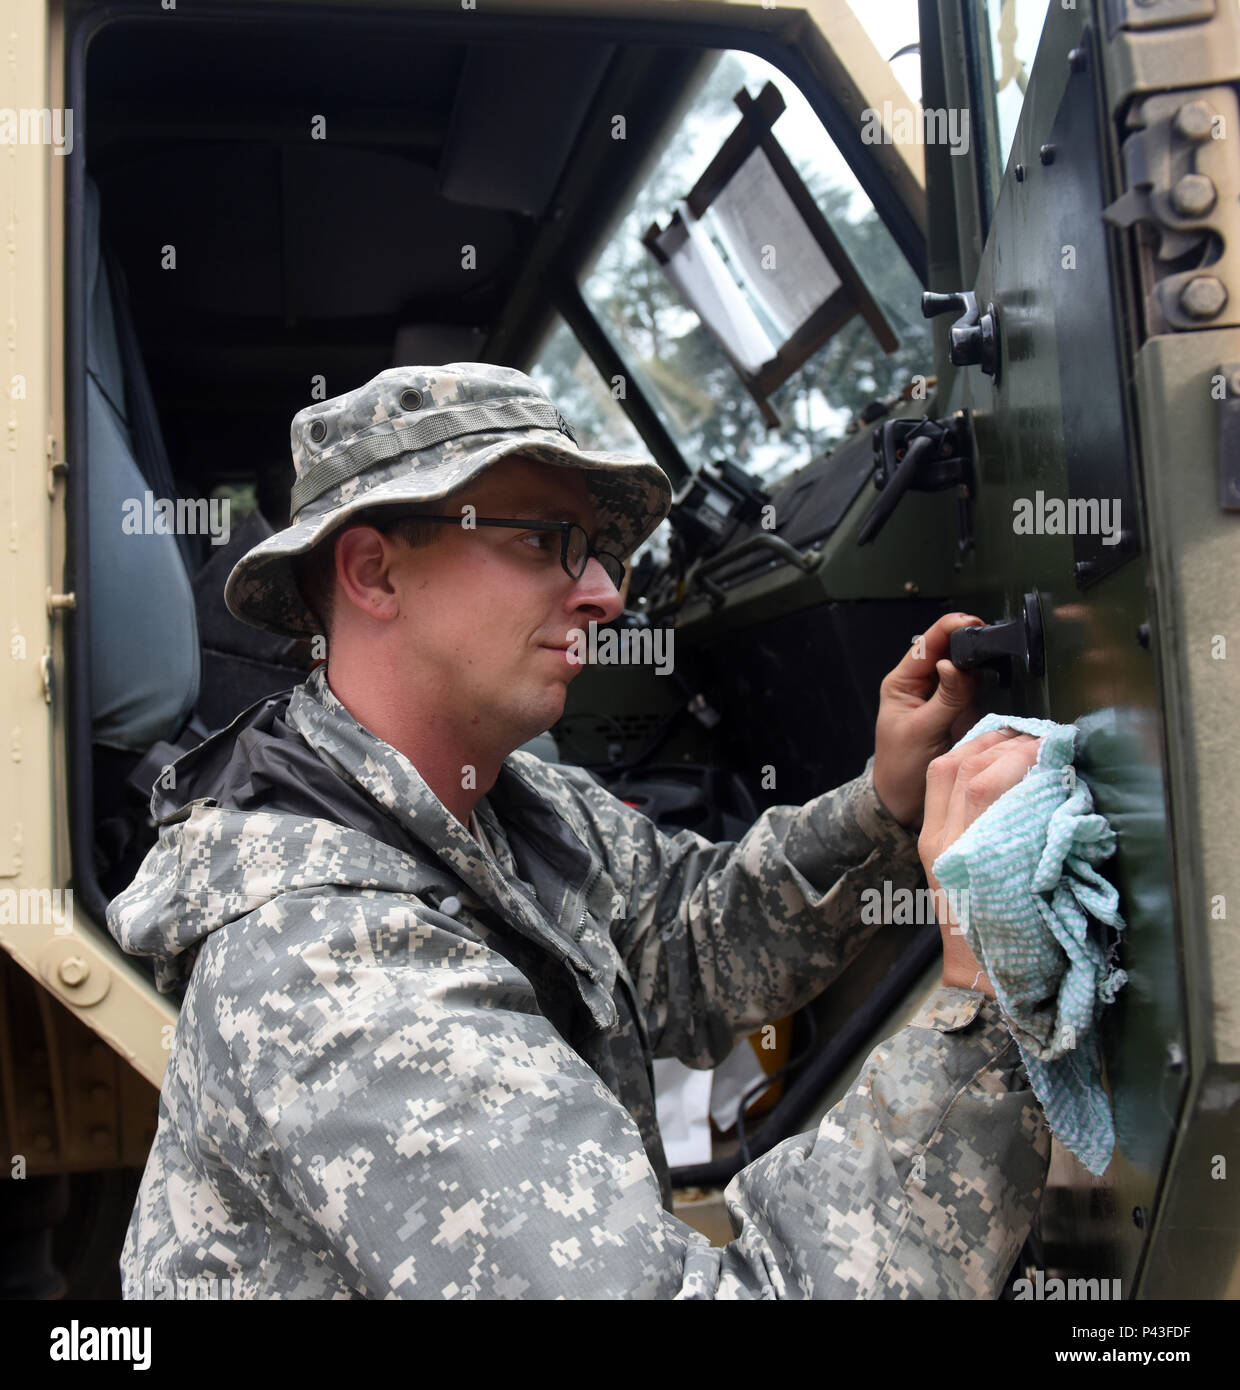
[{"x": 538, "y": 716}]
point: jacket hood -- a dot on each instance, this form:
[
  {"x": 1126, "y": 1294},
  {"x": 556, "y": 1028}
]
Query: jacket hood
[
  {"x": 241, "y": 822},
  {"x": 296, "y": 795}
]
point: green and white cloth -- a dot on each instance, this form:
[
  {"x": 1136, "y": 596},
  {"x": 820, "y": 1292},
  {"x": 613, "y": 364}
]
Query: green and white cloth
[{"x": 1023, "y": 874}]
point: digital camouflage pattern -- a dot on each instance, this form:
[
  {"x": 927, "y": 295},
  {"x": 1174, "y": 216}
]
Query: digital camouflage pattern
[
  {"x": 424, "y": 1072},
  {"x": 415, "y": 434}
]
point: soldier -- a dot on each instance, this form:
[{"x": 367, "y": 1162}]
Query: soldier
[{"x": 425, "y": 974}]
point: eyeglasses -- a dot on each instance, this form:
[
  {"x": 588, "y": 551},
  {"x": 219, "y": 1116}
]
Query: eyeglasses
[{"x": 575, "y": 549}]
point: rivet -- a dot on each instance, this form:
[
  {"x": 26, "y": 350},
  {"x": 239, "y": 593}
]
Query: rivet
[
  {"x": 1047, "y": 154},
  {"x": 1194, "y": 121},
  {"x": 1203, "y": 297},
  {"x": 411, "y": 399},
  {"x": 1076, "y": 60},
  {"x": 73, "y": 970},
  {"x": 317, "y": 431},
  {"x": 1143, "y": 636},
  {"x": 1138, "y": 1218},
  {"x": 1020, "y": 172},
  {"x": 1194, "y": 195}
]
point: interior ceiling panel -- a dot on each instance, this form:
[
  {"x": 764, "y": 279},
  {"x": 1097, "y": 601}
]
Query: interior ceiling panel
[
  {"x": 516, "y": 118},
  {"x": 319, "y": 69},
  {"x": 267, "y": 232}
]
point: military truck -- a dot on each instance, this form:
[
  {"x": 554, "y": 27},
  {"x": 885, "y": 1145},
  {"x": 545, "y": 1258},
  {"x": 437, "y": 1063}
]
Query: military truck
[{"x": 922, "y": 308}]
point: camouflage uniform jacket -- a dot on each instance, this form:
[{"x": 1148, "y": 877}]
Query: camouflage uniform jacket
[{"x": 406, "y": 1069}]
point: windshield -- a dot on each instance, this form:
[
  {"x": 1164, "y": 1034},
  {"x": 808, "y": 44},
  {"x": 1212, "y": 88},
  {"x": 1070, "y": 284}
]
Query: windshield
[{"x": 679, "y": 364}]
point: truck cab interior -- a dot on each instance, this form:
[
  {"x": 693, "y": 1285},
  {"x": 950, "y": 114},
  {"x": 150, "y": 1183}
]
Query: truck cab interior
[{"x": 267, "y": 208}]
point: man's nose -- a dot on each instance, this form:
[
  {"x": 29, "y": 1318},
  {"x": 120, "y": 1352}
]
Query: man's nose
[{"x": 594, "y": 590}]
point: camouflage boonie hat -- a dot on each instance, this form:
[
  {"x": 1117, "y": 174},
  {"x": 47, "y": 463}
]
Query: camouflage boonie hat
[{"x": 415, "y": 434}]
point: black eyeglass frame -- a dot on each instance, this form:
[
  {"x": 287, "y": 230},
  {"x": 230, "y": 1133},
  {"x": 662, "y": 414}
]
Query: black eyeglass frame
[{"x": 565, "y": 528}]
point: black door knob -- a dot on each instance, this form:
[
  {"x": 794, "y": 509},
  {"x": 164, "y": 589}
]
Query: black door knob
[
  {"x": 1001, "y": 645},
  {"x": 974, "y": 338}
]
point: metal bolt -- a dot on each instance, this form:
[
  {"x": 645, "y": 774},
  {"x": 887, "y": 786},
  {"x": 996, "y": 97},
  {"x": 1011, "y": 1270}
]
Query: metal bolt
[
  {"x": 1138, "y": 1218},
  {"x": 1020, "y": 173},
  {"x": 1084, "y": 568},
  {"x": 1175, "y": 1056},
  {"x": 911, "y": 587},
  {"x": 1047, "y": 154},
  {"x": 1194, "y": 120},
  {"x": 73, "y": 970},
  {"x": 1194, "y": 195},
  {"x": 1143, "y": 636},
  {"x": 1203, "y": 297},
  {"x": 1077, "y": 60}
]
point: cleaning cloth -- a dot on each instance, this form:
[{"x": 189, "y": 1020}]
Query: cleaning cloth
[{"x": 1024, "y": 878}]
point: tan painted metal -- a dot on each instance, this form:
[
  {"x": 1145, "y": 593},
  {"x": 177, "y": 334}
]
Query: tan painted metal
[{"x": 110, "y": 994}]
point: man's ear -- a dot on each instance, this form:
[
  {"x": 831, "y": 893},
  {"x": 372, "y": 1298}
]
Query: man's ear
[{"x": 364, "y": 558}]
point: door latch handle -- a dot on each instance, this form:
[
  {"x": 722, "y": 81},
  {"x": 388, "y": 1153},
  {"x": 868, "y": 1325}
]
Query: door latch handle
[
  {"x": 1002, "y": 645},
  {"x": 924, "y": 456},
  {"x": 974, "y": 338}
]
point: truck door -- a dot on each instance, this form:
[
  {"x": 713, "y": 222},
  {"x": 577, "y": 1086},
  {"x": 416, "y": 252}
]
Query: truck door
[{"x": 1090, "y": 293}]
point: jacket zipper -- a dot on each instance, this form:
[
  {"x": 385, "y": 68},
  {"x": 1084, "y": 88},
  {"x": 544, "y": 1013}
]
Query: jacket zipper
[{"x": 585, "y": 898}]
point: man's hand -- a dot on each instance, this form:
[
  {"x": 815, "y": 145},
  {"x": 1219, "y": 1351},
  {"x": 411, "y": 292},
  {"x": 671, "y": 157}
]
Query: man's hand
[
  {"x": 924, "y": 706},
  {"x": 959, "y": 787}
]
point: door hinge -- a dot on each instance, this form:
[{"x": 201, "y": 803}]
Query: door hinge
[
  {"x": 1182, "y": 179},
  {"x": 56, "y": 468}
]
